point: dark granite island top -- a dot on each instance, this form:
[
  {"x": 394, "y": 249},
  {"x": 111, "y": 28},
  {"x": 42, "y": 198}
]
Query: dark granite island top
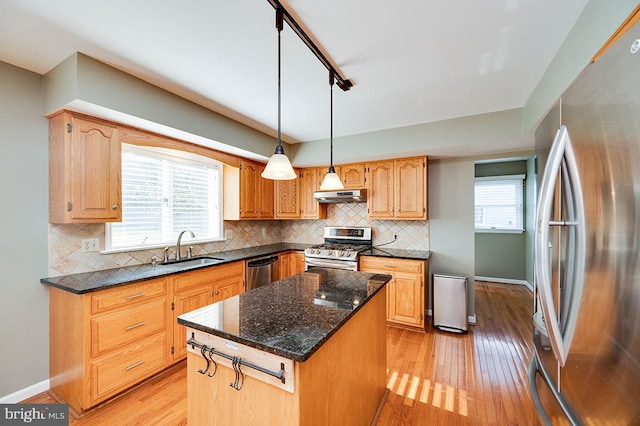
[{"x": 292, "y": 317}]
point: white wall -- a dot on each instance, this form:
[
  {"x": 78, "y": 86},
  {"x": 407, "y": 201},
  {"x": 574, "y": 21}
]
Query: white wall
[{"x": 24, "y": 305}]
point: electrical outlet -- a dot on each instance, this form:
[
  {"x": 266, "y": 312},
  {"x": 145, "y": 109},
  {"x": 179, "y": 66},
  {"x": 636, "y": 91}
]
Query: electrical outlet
[
  {"x": 264, "y": 232},
  {"x": 228, "y": 234},
  {"x": 90, "y": 244}
]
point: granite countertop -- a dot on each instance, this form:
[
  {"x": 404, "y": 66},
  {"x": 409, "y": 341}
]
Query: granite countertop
[
  {"x": 292, "y": 317},
  {"x": 398, "y": 253},
  {"x": 99, "y": 280}
]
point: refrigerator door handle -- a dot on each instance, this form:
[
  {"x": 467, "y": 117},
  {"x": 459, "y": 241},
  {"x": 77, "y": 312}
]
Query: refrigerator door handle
[{"x": 561, "y": 154}]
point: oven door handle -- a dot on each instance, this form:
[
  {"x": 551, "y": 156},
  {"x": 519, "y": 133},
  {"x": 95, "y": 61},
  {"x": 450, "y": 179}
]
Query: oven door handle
[{"x": 322, "y": 264}]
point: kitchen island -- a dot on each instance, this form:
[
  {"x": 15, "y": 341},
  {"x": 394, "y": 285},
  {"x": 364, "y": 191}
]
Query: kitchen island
[{"x": 318, "y": 340}]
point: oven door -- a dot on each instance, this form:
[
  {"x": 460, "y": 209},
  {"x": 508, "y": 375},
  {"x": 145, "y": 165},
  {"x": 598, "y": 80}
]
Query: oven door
[{"x": 330, "y": 263}]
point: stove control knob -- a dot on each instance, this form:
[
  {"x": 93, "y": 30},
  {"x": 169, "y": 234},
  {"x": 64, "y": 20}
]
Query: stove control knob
[
  {"x": 330, "y": 253},
  {"x": 342, "y": 253}
]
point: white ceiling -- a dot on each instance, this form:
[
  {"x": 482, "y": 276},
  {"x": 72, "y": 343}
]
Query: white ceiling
[{"x": 411, "y": 61}]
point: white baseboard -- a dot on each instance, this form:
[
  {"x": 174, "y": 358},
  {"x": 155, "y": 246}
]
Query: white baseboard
[
  {"x": 505, "y": 281},
  {"x": 26, "y": 393}
]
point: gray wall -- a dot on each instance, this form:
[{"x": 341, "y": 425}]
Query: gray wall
[
  {"x": 24, "y": 305},
  {"x": 501, "y": 255},
  {"x": 451, "y": 227}
]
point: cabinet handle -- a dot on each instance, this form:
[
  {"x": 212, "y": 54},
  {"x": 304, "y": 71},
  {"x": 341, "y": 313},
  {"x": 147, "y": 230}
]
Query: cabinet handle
[
  {"x": 218, "y": 292},
  {"x": 114, "y": 207},
  {"x": 134, "y": 296},
  {"x": 390, "y": 266},
  {"x": 134, "y": 365},
  {"x": 131, "y": 327}
]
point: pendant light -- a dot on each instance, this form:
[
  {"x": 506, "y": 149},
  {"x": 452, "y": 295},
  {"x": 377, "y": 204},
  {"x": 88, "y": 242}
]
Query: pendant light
[
  {"x": 331, "y": 179},
  {"x": 279, "y": 166}
]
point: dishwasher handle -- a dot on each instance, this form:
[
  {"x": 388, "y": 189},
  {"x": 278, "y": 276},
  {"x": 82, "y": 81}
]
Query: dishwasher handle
[{"x": 262, "y": 262}]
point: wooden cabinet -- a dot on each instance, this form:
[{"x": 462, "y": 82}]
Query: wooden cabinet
[
  {"x": 104, "y": 342},
  {"x": 84, "y": 170},
  {"x": 397, "y": 189},
  {"x": 195, "y": 289},
  {"x": 406, "y": 297},
  {"x": 353, "y": 175},
  {"x": 309, "y": 183},
  {"x": 291, "y": 263},
  {"x": 246, "y": 194},
  {"x": 287, "y": 198},
  {"x": 101, "y": 343}
]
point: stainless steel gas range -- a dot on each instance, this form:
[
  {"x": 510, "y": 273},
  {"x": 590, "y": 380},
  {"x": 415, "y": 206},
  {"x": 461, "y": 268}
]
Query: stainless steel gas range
[{"x": 340, "y": 249}]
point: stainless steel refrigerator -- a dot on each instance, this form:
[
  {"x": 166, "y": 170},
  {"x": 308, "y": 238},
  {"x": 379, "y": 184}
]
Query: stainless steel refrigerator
[{"x": 586, "y": 365}]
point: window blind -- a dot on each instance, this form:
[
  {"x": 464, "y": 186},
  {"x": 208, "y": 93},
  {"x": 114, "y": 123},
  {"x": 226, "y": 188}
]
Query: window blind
[
  {"x": 165, "y": 192},
  {"x": 499, "y": 203}
]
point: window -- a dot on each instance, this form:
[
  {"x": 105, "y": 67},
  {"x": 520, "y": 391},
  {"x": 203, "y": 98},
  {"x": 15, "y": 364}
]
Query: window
[
  {"x": 165, "y": 192},
  {"x": 499, "y": 204}
]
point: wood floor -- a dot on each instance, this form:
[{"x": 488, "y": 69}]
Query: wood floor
[{"x": 435, "y": 378}]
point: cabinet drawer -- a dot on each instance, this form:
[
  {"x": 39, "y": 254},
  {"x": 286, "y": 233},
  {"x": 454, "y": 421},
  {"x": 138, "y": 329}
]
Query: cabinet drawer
[
  {"x": 127, "y": 295},
  {"x": 205, "y": 276},
  {"x": 131, "y": 364},
  {"x": 392, "y": 265},
  {"x": 119, "y": 328}
]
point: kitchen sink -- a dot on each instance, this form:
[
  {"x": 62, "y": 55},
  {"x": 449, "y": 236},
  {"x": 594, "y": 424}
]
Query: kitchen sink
[{"x": 194, "y": 261}]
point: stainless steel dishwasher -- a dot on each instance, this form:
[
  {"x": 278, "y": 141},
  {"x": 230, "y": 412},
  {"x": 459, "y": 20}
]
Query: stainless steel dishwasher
[{"x": 261, "y": 271}]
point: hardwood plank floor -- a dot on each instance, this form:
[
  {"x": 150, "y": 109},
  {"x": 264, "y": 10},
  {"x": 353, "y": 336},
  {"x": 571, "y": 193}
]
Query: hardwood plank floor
[{"x": 434, "y": 378}]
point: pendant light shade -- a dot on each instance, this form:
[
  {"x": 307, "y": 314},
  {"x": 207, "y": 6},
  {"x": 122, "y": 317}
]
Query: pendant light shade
[
  {"x": 331, "y": 179},
  {"x": 279, "y": 166}
]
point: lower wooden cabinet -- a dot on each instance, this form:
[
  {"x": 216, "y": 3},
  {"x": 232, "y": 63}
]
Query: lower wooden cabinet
[
  {"x": 406, "y": 296},
  {"x": 291, "y": 263},
  {"x": 104, "y": 342},
  {"x": 195, "y": 289}
]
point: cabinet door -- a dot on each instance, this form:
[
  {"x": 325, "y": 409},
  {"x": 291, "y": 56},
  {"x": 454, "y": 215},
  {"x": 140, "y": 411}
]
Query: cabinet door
[
  {"x": 287, "y": 200},
  {"x": 285, "y": 265},
  {"x": 224, "y": 290},
  {"x": 410, "y": 190},
  {"x": 249, "y": 199},
  {"x": 353, "y": 175},
  {"x": 228, "y": 280},
  {"x": 310, "y": 208},
  {"x": 404, "y": 299},
  {"x": 381, "y": 187},
  {"x": 266, "y": 207},
  {"x": 297, "y": 263},
  {"x": 84, "y": 171},
  {"x": 184, "y": 302}
]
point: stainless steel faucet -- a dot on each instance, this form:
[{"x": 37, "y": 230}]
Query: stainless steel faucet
[{"x": 178, "y": 256}]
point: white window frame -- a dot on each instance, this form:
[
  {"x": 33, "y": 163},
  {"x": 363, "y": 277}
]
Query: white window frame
[
  {"x": 492, "y": 229},
  {"x": 173, "y": 155}
]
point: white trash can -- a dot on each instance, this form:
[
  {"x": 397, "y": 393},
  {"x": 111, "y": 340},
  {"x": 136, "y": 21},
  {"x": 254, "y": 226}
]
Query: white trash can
[{"x": 450, "y": 307}]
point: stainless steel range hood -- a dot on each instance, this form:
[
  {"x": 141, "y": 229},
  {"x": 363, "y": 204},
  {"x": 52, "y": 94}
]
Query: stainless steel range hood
[{"x": 344, "y": 196}]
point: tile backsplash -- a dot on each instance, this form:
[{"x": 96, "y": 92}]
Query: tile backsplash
[{"x": 66, "y": 257}]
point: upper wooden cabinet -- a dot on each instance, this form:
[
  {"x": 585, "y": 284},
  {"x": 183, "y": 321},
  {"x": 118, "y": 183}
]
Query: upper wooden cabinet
[
  {"x": 287, "y": 198},
  {"x": 353, "y": 176},
  {"x": 84, "y": 170},
  {"x": 397, "y": 189},
  {"x": 247, "y": 195},
  {"x": 309, "y": 183}
]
